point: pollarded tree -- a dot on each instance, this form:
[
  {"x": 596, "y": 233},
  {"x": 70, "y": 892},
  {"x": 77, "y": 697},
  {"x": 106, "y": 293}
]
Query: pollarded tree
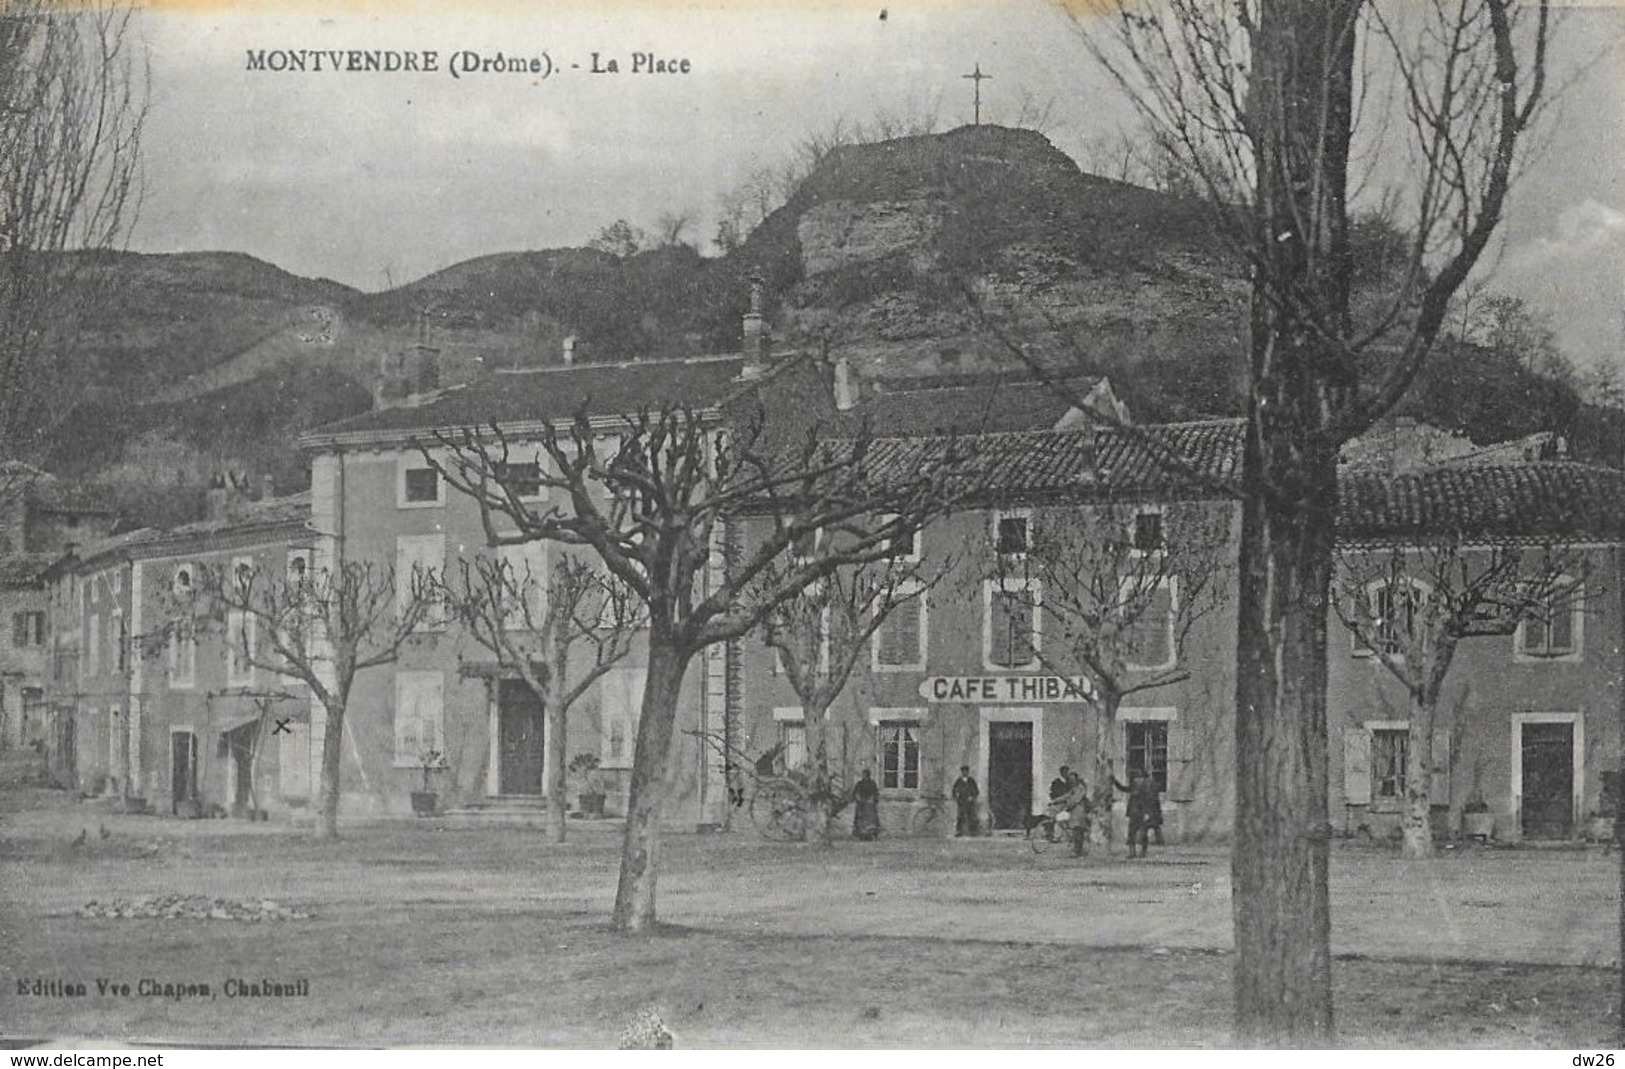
[
  {"x": 320, "y": 628},
  {"x": 535, "y": 622},
  {"x": 654, "y": 497},
  {"x": 1261, "y": 102},
  {"x": 823, "y": 633},
  {"x": 1121, "y": 587},
  {"x": 1411, "y": 606}
]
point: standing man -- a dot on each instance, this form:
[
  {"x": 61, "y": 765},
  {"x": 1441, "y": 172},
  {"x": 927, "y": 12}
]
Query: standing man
[
  {"x": 965, "y": 794},
  {"x": 1144, "y": 812}
]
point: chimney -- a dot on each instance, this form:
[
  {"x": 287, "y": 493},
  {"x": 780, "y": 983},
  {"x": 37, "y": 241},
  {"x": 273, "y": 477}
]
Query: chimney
[
  {"x": 1410, "y": 449},
  {"x": 846, "y": 385},
  {"x": 754, "y": 348},
  {"x": 569, "y": 353}
]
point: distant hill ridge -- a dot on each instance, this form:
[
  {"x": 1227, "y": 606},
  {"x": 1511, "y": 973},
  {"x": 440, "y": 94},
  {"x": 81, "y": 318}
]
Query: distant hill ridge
[{"x": 896, "y": 253}]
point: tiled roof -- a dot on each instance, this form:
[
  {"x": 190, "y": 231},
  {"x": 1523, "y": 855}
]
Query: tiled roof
[
  {"x": 1537, "y": 500},
  {"x": 1202, "y": 455},
  {"x": 1188, "y": 458},
  {"x": 24, "y": 569},
  {"x": 548, "y": 395},
  {"x": 276, "y": 512}
]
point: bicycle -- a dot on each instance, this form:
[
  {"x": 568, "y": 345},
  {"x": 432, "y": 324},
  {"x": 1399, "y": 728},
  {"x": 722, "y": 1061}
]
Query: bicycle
[
  {"x": 925, "y": 820},
  {"x": 1045, "y": 831}
]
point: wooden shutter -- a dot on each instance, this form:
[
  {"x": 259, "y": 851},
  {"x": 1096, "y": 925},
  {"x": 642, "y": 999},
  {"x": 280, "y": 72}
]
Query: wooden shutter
[
  {"x": 1181, "y": 763},
  {"x": 1560, "y": 629},
  {"x": 1356, "y": 766},
  {"x": 1439, "y": 781}
]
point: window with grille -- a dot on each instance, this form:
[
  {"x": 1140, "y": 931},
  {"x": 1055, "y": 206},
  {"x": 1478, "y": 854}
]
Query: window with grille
[
  {"x": 899, "y": 755},
  {"x": 27, "y": 629}
]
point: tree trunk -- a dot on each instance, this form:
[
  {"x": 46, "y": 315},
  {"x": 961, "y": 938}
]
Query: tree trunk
[
  {"x": 1104, "y": 792},
  {"x": 327, "y": 796},
  {"x": 557, "y": 788},
  {"x": 1299, "y": 121},
  {"x": 1417, "y": 843},
  {"x": 1279, "y": 864},
  {"x": 640, "y": 845}
]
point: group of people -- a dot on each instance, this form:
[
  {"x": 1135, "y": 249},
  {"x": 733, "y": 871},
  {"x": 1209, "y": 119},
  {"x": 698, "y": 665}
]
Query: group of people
[{"x": 1071, "y": 807}]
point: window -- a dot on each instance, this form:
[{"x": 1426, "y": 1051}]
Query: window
[
  {"x": 181, "y": 586},
  {"x": 419, "y": 560},
  {"x": 1148, "y": 627},
  {"x": 1010, "y": 534},
  {"x": 900, "y": 641},
  {"x": 621, "y": 697},
  {"x": 805, "y": 545},
  {"x": 899, "y": 755},
  {"x": 1552, "y": 631},
  {"x": 419, "y": 726},
  {"x": 1390, "y": 619},
  {"x": 182, "y": 654},
  {"x": 240, "y": 636},
  {"x": 93, "y": 644},
  {"x": 1389, "y": 751},
  {"x": 524, "y": 591},
  {"x": 905, "y": 546},
  {"x": 793, "y": 740},
  {"x": 27, "y": 629},
  {"x": 419, "y": 484},
  {"x": 524, "y": 480},
  {"x": 119, "y": 639},
  {"x": 1010, "y": 624},
  {"x": 1148, "y": 536},
  {"x": 1147, "y": 749}
]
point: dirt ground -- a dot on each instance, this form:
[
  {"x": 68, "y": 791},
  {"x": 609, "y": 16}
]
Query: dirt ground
[{"x": 423, "y": 935}]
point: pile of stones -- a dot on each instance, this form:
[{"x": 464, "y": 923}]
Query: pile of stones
[{"x": 191, "y": 907}]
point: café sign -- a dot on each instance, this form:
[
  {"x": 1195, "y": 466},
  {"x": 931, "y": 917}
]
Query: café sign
[{"x": 996, "y": 690}]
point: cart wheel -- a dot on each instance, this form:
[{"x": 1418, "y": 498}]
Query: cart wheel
[
  {"x": 1042, "y": 835},
  {"x": 925, "y": 822},
  {"x": 775, "y": 809}
]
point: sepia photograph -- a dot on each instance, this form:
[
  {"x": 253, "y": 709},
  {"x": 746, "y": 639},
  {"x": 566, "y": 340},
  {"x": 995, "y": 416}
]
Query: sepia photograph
[{"x": 808, "y": 524}]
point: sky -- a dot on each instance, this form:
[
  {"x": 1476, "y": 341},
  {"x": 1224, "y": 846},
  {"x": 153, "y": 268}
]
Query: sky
[{"x": 377, "y": 178}]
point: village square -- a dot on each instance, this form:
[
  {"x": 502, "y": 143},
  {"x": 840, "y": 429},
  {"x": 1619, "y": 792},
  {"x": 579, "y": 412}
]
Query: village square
[{"x": 974, "y": 594}]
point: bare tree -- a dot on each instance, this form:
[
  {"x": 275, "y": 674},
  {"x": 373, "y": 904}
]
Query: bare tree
[
  {"x": 653, "y": 498},
  {"x": 671, "y": 225},
  {"x": 319, "y": 629},
  {"x": 1123, "y": 588},
  {"x": 1410, "y": 607},
  {"x": 1267, "y": 103},
  {"x": 72, "y": 105},
  {"x": 534, "y": 625},
  {"x": 620, "y": 239},
  {"x": 822, "y": 634}
]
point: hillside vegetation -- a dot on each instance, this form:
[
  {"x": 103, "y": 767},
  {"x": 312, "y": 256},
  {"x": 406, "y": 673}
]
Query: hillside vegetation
[{"x": 913, "y": 255}]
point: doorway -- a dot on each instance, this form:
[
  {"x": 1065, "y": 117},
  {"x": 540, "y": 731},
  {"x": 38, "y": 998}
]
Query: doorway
[
  {"x": 182, "y": 768},
  {"x": 520, "y": 739},
  {"x": 1546, "y": 758},
  {"x": 1010, "y": 772}
]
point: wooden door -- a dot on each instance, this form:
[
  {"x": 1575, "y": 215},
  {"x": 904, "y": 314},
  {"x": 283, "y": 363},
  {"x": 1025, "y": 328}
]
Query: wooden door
[{"x": 520, "y": 739}]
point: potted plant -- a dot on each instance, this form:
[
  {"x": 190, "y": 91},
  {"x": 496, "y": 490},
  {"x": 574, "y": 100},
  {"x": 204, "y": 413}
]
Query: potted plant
[
  {"x": 1477, "y": 822},
  {"x": 591, "y": 792},
  {"x": 426, "y": 802}
]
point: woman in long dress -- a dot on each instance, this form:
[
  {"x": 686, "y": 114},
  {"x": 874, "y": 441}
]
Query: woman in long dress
[{"x": 866, "y": 808}]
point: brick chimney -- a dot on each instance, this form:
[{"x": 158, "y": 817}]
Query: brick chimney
[{"x": 754, "y": 348}]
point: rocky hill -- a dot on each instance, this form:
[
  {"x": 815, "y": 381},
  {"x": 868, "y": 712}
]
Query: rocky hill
[{"x": 933, "y": 253}]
